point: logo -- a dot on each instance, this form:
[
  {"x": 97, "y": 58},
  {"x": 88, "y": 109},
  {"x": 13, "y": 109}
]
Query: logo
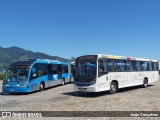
[
  {"x": 13, "y": 79},
  {"x": 6, "y": 114}
]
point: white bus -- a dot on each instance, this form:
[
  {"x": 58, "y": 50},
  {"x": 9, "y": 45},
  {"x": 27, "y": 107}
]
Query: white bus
[{"x": 95, "y": 73}]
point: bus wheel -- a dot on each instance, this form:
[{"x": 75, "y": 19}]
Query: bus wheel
[
  {"x": 41, "y": 87},
  {"x": 113, "y": 88},
  {"x": 145, "y": 83},
  {"x": 63, "y": 81}
]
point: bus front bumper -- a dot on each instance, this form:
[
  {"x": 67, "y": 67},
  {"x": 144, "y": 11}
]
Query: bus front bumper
[
  {"x": 8, "y": 89},
  {"x": 92, "y": 88}
]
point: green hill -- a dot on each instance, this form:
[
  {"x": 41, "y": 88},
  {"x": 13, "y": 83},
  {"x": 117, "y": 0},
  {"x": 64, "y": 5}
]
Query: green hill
[{"x": 8, "y": 55}]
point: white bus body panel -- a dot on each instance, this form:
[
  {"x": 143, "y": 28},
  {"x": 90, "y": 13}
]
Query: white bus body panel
[{"x": 125, "y": 79}]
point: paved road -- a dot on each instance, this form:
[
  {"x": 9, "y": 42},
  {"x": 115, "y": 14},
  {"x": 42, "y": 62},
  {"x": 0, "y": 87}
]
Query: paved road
[{"x": 64, "y": 98}]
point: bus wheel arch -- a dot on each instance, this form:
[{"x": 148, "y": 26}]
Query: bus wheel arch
[
  {"x": 114, "y": 87},
  {"x": 145, "y": 82},
  {"x": 42, "y": 86}
]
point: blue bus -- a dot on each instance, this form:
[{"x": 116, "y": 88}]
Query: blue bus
[{"x": 36, "y": 74}]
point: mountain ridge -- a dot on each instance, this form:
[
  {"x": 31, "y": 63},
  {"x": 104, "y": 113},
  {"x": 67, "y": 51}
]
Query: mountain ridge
[{"x": 10, "y": 54}]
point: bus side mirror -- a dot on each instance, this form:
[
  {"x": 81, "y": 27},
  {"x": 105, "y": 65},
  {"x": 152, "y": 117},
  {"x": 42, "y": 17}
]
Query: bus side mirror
[{"x": 33, "y": 70}]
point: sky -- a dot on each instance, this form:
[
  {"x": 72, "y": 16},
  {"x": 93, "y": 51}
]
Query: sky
[{"x": 71, "y": 28}]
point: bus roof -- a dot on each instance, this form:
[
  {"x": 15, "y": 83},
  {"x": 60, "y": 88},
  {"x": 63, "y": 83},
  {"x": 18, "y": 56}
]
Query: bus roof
[{"x": 124, "y": 57}]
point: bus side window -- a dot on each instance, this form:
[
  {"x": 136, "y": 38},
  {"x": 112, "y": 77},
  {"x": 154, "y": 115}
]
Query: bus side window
[
  {"x": 150, "y": 66},
  {"x": 59, "y": 69},
  {"x": 55, "y": 69},
  {"x": 144, "y": 66},
  {"x": 130, "y": 65},
  {"x": 121, "y": 65},
  {"x": 111, "y": 65},
  {"x": 103, "y": 66},
  {"x": 64, "y": 68},
  {"x": 49, "y": 69},
  {"x": 42, "y": 69},
  {"x": 73, "y": 69},
  {"x": 138, "y": 66},
  {"x": 155, "y": 66}
]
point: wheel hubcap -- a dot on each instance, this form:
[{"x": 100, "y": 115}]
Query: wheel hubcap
[
  {"x": 41, "y": 86},
  {"x": 145, "y": 84},
  {"x": 113, "y": 88},
  {"x": 62, "y": 82}
]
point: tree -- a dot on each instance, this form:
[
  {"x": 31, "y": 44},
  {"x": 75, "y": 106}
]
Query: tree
[{"x": 1, "y": 76}]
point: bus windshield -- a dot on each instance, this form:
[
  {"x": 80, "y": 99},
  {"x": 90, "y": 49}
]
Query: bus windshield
[
  {"x": 86, "y": 68},
  {"x": 16, "y": 74}
]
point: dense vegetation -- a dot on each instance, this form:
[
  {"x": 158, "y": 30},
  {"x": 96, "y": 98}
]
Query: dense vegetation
[{"x": 1, "y": 76}]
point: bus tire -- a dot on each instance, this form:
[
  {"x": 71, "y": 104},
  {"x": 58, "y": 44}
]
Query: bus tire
[
  {"x": 113, "y": 88},
  {"x": 41, "y": 86},
  {"x": 63, "y": 82},
  {"x": 145, "y": 82}
]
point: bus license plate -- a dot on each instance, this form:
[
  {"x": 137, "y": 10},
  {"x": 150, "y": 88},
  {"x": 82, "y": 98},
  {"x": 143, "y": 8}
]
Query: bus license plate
[{"x": 82, "y": 89}]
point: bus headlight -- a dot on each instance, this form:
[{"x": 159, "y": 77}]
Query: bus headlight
[
  {"x": 5, "y": 84},
  {"x": 93, "y": 82},
  {"x": 24, "y": 85}
]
